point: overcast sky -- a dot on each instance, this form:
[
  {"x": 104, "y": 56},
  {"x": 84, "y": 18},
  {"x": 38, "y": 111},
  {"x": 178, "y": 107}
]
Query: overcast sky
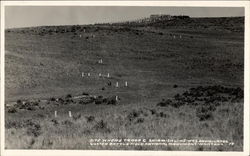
[{"x": 26, "y": 16}]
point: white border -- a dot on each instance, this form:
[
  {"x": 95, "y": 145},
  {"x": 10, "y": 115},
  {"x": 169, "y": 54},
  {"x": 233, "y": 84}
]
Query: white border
[{"x": 245, "y": 4}]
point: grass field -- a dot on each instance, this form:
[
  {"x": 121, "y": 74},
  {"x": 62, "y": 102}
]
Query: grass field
[{"x": 185, "y": 81}]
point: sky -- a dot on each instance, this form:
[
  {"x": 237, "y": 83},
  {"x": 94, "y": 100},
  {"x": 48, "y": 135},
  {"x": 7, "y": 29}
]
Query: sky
[{"x": 27, "y": 16}]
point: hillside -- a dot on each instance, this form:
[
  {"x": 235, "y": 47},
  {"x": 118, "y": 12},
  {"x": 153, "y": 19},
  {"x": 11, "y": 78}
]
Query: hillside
[
  {"x": 158, "y": 59},
  {"x": 56, "y": 56}
]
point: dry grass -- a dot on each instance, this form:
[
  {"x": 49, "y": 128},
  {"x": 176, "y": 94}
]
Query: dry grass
[{"x": 135, "y": 121}]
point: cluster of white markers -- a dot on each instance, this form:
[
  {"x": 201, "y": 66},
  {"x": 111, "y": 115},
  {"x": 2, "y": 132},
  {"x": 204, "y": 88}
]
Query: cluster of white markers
[{"x": 99, "y": 75}]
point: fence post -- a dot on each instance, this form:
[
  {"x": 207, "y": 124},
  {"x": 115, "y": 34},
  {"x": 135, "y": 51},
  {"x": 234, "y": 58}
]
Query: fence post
[
  {"x": 116, "y": 98},
  {"x": 88, "y": 74},
  {"x": 82, "y": 74},
  {"x": 117, "y": 84},
  {"x": 100, "y": 74},
  {"x": 126, "y": 84},
  {"x": 70, "y": 115},
  {"x": 108, "y": 75}
]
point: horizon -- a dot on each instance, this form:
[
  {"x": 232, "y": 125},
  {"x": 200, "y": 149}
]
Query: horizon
[
  {"x": 107, "y": 22},
  {"x": 39, "y": 16}
]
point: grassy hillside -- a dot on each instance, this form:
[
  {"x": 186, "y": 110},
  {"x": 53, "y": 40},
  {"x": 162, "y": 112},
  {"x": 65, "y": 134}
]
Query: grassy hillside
[{"x": 158, "y": 60}]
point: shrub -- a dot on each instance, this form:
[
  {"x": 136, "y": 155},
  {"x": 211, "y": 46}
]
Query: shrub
[
  {"x": 13, "y": 124},
  {"x": 67, "y": 123},
  {"x": 55, "y": 122},
  {"x": 132, "y": 115},
  {"x": 85, "y": 101},
  {"x": 34, "y": 129},
  {"x": 60, "y": 100},
  {"x": 164, "y": 103},
  {"x": 99, "y": 100},
  {"x": 203, "y": 113},
  {"x": 90, "y": 118},
  {"x": 140, "y": 120},
  {"x": 68, "y": 96},
  {"x": 101, "y": 126},
  {"x": 19, "y": 102},
  {"x": 153, "y": 111},
  {"x": 162, "y": 115},
  {"x": 177, "y": 104},
  {"x": 84, "y": 93},
  {"x": 77, "y": 116},
  {"x": 111, "y": 101},
  {"x": 69, "y": 101},
  {"x": 31, "y": 108},
  {"x": 12, "y": 110},
  {"x": 52, "y": 99}
]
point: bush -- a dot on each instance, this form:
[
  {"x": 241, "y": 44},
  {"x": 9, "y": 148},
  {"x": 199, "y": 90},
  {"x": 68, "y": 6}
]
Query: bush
[
  {"x": 101, "y": 126},
  {"x": 164, "y": 103},
  {"x": 90, "y": 118},
  {"x": 85, "y": 101},
  {"x": 84, "y": 93},
  {"x": 19, "y": 102},
  {"x": 132, "y": 115},
  {"x": 52, "y": 99},
  {"x": 77, "y": 116},
  {"x": 140, "y": 120},
  {"x": 55, "y": 122},
  {"x": 69, "y": 101},
  {"x": 68, "y": 96},
  {"x": 31, "y": 108},
  {"x": 34, "y": 129},
  {"x": 67, "y": 123},
  {"x": 175, "y": 86},
  {"x": 111, "y": 101},
  {"x": 13, "y": 124},
  {"x": 12, "y": 110},
  {"x": 203, "y": 113},
  {"x": 99, "y": 100}
]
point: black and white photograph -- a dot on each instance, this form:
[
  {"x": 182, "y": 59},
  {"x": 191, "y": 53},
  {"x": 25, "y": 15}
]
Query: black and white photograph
[{"x": 124, "y": 78}]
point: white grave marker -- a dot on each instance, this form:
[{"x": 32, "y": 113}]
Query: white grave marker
[
  {"x": 126, "y": 84},
  {"x": 88, "y": 74},
  {"x": 116, "y": 98},
  {"x": 70, "y": 115},
  {"x": 55, "y": 114},
  {"x": 82, "y": 74},
  {"x": 117, "y": 84},
  {"x": 108, "y": 75},
  {"x": 100, "y": 74}
]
